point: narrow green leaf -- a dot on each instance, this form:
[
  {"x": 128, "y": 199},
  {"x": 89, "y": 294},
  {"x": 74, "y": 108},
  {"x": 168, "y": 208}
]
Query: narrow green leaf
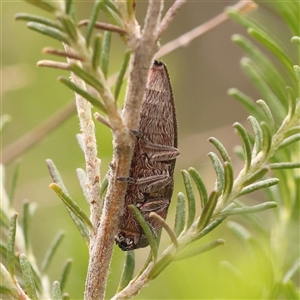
[
  {"x": 246, "y": 144},
  {"x": 65, "y": 273},
  {"x": 14, "y": 182},
  {"x": 95, "y": 101},
  {"x": 228, "y": 180},
  {"x": 3, "y": 249},
  {"x": 190, "y": 198},
  {"x": 222, "y": 150},
  {"x": 249, "y": 209},
  {"x": 11, "y": 244},
  {"x": 208, "y": 210},
  {"x": 4, "y": 220},
  {"x": 69, "y": 27},
  {"x": 165, "y": 226},
  {"x": 28, "y": 277},
  {"x": 111, "y": 13},
  {"x": 258, "y": 185},
  {"x": 86, "y": 76},
  {"x": 291, "y": 131},
  {"x": 80, "y": 224},
  {"x": 151, "y": 239},
  {"x": 128, "y": 270},
  {"x": 256, "y": 222},
  {"x": 7, "y": 284},
  {"x": 180, "y": 214},
  {"x": 233, "y": 272},
  {"x": 267, "y": 112},
  {"x": 56, "y": 292},
  {"x": 290, "y": 13},
  {"x": 51, "y": 250},
  {"x": 94, "y": 15},
  {"x": 256, "y": 175},
  {"x": 122, "y": 74},
  {"x": 238, "y": 150},
  {"x": 274, "y": 46},
  {"x": 285, "y": 165},
  {"x": 144, "y": 267},
  {"x": 37, "y": 19},
  {"x": 200, "y": 250},
  {"x": 267, "y": 137},
  {"x": 270, "y": 74},
  {"x": 219, "y": 184},
  {"x": 44, "y": 5},
  {"x": 96, "y": 52},
  {"x": 200, "y": 186},
  {"x": 54, "y": 173},
  {"x": 292, "y": 139},
  {"x": 254, "y": 73},
  {"x": 210, "y": 227},
  {"x": 112, "y": 5},
  {"x": 240, "y": 231},
  {"x": 70, "y": 10},
  {"x": 49, "y": 31},
  {"x": 104, "y": 58},
  {"x": 28, "y": 209},
  {"x": 160, "y": 266},
  {"x": 71, "y": 204},
  {"x": 69, "y": 7},
  {"x": 130, "y": 8},
  {"x": 7, "y": 291},
  {"x": 258, "y": 135},
  {"x": 245, "y": 100},
  {"x": 81, "y": 176}
]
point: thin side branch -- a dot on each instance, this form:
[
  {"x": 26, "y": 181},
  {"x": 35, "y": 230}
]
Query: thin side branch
[
  {"x": 169, "y": 16},
  {"x": 34, "y": 136},
  {"x": 53, "y": 64},
  {"x": 49, "y": 50},
  {"x": 104, "y": 26},
  {"x": 185, "y": 39},
  {"x": 87, "y": 127}
]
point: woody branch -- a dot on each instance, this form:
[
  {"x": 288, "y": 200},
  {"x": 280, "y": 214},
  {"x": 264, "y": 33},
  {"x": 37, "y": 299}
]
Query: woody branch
[{"x": 143, "y": 46}]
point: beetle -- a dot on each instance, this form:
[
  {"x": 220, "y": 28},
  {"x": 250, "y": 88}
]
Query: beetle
[{"x": 150, "y": 183}]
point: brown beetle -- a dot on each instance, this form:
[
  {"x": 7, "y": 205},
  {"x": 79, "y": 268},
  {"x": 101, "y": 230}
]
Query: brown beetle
[{"x": 150, "y": 185}]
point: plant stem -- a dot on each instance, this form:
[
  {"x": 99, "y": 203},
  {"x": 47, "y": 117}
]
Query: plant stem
[{"x": 143, "y": 49}]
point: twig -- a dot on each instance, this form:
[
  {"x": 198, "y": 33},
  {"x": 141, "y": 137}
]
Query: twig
[
  {"x": 62, "y": 53},
  {"x": 185, "y": 39},
  {"x": 140, "y": 65},
  {"x": 53, "y": 64},
  {"x": 104, "y": 26},
  {"x": 92, "y": 162},
  {"x": 19, "y": 146},
  {"x": 169, "y": 16}
]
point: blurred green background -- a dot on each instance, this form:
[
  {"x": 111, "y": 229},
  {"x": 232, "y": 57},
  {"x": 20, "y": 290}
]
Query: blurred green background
[{"x": 201, "y": 74}]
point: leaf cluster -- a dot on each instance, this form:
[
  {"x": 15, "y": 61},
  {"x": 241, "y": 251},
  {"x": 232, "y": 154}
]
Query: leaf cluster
[{"x": 19, "y": 256}]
